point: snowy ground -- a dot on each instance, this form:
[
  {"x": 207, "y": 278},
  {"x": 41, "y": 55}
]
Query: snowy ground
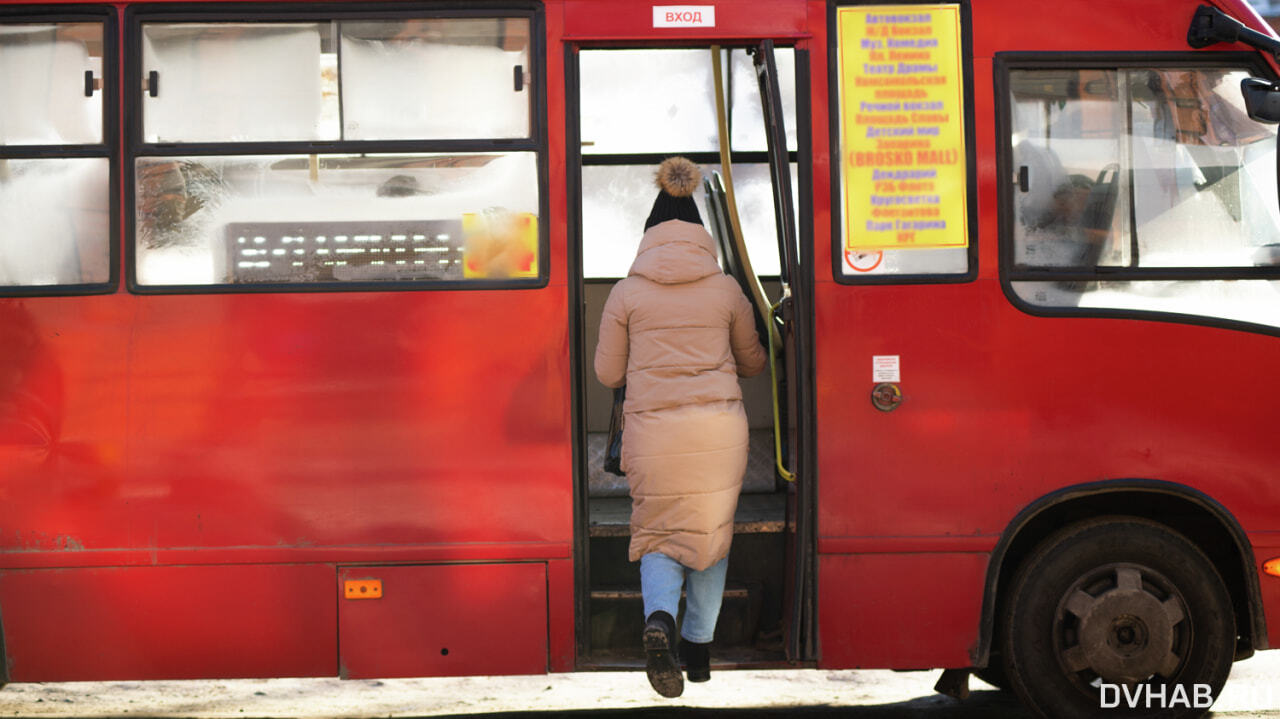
[{"x": 1254, "y": 691}]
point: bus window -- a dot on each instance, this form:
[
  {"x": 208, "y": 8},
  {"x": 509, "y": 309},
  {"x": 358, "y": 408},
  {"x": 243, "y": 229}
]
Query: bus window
[
  {"x": 400, "y": 79},
  {"x": 746, "y": 123},
  {"x": 238, "y": 82},
  {"x": 407, "y": 79},
  {"x": 628, "y": 127},
  {"x": 42, "y": 69},
  {"x": 1146, "y": 174},
  {"x": 266, "y": 218},
  {"x": 55, "y": 213},
  {"x": 455, "y": 199}
]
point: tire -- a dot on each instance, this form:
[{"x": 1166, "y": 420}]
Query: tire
[{"x": 1120, "y": 601}]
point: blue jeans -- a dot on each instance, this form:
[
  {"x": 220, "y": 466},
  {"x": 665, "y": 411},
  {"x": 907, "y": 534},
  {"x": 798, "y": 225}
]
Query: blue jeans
[{"x": 661, "y": 578}]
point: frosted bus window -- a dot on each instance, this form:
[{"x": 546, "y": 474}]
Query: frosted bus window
[
  {"x": 748, "y": 119},
  {"x": 1140, "y": 168},
  {"x": 437, "y": 78},
  {"x": 641, "y": 101},
  {"x": 238, "y": 82},
  {"x": 1073, "y": 204},
  {"x": 336, "y": 218},
  {"x": 1204, "y": 173},
  {"x": 1137, "y": 170},
  {"x": 617, "y": 199},
  {"x": 42, "y": 83},
  {"x": 54, "y": 221}
]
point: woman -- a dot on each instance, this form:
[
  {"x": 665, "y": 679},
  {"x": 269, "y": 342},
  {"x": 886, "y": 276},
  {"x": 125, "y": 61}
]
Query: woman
[{"x": 679, "y": 332}]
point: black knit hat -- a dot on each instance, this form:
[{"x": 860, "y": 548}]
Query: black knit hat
[{"x": 677, "y": 180}]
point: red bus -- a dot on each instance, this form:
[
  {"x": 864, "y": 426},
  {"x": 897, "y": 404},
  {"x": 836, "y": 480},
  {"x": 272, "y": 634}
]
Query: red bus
[{"x": 296, "y": 301}]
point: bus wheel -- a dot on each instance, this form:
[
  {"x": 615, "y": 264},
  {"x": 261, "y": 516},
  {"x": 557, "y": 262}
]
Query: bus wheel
[{"x": 1120, "y": 617}]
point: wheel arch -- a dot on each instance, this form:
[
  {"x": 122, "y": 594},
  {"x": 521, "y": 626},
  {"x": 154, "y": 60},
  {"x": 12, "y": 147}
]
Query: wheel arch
[{"x": 1196, "y": 515}]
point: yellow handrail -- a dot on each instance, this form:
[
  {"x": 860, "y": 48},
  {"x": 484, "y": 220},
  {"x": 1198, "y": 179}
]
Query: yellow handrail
[
  {"x": 777, "y": 412},
  {"x": 744, "y": 261}
]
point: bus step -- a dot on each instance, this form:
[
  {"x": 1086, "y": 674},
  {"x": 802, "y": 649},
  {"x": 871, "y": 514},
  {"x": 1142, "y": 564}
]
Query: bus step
[{"x": 617, "y": 616}]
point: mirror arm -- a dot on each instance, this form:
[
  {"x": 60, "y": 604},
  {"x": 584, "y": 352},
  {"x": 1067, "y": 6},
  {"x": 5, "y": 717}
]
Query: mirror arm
[{"x": 1210, "y": 25}]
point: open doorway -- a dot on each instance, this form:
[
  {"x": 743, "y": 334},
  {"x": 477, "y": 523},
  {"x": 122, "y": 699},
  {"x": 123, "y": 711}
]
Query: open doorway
[{"x": 634, "y": 108}]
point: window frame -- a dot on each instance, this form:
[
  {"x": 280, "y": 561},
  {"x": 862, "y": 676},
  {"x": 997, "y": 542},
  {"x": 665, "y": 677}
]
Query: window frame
[
  {"x": 108, "y": 147},
  {"x": 971, "y": 153},
  {"x": 703, "y": 158},
  {"x": 135, "y": 146},
  {"x": 1005, "y": 62}
]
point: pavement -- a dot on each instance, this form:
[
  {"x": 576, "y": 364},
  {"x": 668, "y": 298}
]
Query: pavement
[{"x": 1252, "y": 693}]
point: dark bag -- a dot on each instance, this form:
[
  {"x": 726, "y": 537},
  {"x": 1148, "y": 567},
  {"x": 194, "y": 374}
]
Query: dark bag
[{"x": 613, "y": 450}]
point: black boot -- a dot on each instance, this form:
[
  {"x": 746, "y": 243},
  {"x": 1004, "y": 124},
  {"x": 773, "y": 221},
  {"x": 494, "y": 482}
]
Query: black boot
[
  {"x": 697, "y": 660},
  {"x": 659, "y": 646}
]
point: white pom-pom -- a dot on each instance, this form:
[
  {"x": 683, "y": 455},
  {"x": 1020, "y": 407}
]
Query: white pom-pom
[{"x": 678, "y": 176}]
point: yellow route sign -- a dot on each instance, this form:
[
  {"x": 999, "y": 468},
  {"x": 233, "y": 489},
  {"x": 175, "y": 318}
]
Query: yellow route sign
[{"x": 902, "y": 135}]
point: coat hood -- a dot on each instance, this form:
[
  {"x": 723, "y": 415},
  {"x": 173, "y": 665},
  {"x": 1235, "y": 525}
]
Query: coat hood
[{"x": 675, "y": 252}]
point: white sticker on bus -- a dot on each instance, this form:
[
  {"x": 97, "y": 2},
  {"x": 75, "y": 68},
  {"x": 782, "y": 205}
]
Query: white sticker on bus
[
  {"x": 684, "y": 15},
  {"x": 886, "y": 368}
]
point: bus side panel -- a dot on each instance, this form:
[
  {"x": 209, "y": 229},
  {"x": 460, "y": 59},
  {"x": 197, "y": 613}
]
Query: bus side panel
[
  {"x": 304, "y": 420},
  {"x": 63, "y": 364},
  {"x": 1013, "y": 26},
  {"x": 169, "y": 622},
  {"x": 900, "y": 611},
  {"x": 1001, "y": 409},
  {"x": 444, "y": 620},
  {"x": 267, "y": 430}
]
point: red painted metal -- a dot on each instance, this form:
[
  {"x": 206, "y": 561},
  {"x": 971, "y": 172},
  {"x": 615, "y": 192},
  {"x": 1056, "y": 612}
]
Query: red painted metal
[
  {"x": 169, "y": 622},
  {"x": 560, "y": 614},
  {"x": 587, "y": 20},
  {"x": 292, "y": 420},
  {"x": 903, "y": 625},
  {"x": 266, "y": 440},
  {"x": 445, "y": 620}
]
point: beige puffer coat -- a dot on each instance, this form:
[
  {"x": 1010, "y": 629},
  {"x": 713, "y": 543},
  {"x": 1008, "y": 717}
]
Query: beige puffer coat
[{"x": 678, "y": 332}]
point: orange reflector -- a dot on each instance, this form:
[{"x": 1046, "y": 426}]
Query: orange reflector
[
  {"x": 1272, "y": 567},
  {"x": 363, "y": 588}
]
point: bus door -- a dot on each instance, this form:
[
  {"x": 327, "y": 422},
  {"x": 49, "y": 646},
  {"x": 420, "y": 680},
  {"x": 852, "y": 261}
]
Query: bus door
[
  {"x": 793, "y": 409},
  {"x": 629, "y": 108}
]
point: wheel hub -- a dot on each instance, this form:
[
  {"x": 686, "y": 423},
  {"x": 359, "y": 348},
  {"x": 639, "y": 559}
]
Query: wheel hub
[{"x": 1126, "y": 633}]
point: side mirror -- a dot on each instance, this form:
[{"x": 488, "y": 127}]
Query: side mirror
[
  {"x": 1262, "y": 102},
  {"x": 1210, "y": 25},
  {"x": 1261, "y": 99}
]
